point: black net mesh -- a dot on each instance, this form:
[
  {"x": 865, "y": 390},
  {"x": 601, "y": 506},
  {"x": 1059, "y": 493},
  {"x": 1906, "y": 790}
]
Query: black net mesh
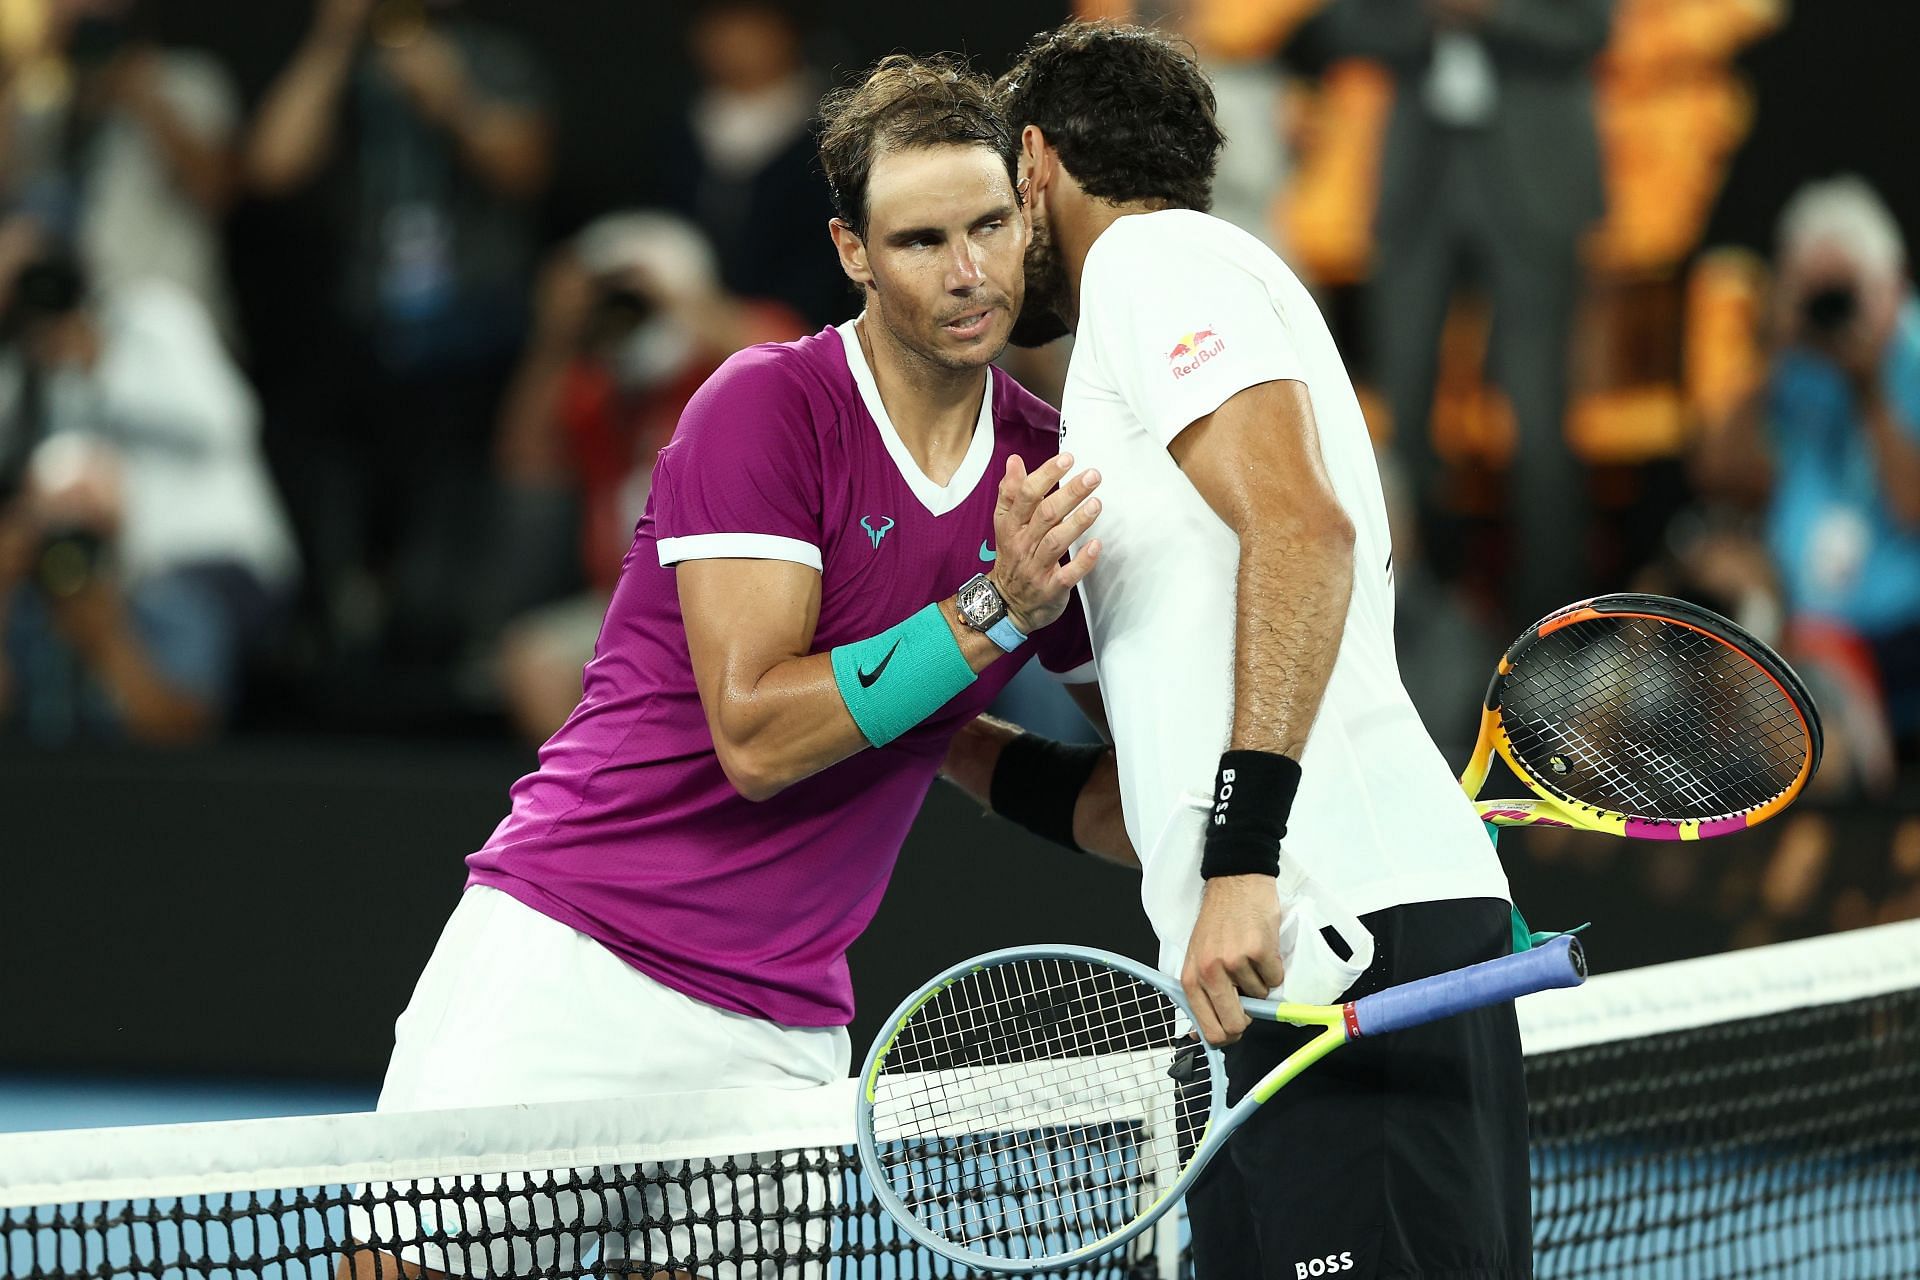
[
  {"x": 802, "y": 1213},
  {"x": 1786, "y": 1145}
]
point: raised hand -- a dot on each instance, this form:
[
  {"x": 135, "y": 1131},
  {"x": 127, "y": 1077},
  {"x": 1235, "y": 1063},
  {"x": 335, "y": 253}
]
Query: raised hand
[{"x": 1035, "y": 523}]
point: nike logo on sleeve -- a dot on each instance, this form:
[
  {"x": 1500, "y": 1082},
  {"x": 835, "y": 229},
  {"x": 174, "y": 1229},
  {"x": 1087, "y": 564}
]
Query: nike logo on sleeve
[{"x": 868, "y": 677}]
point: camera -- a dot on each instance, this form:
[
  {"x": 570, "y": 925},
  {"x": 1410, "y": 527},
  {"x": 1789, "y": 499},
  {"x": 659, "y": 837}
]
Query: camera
[
  {"x": 67, "y": 560},
  {"x": 618, "y": 303},
  {"x": 618, "y": 309},
  {"x": 1827, "y": 311},
  {"x": 46, "y": 290}
]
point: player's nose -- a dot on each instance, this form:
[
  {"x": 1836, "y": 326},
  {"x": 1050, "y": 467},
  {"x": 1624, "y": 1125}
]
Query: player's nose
[{"x": 963, "y": 269}]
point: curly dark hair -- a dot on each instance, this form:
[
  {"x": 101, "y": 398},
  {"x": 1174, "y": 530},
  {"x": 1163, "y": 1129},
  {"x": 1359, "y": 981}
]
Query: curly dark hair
[
  {"x": 1129, "y": 110},
  {"x": 901, "y": 103}
]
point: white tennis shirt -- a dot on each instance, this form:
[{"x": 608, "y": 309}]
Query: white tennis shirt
[{"x": 1178, "y": 311}]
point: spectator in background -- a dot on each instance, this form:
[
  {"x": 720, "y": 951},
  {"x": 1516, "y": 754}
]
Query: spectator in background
[
  {"x": 142, "y": 549},
  {"x": 426, "y": 136},
  {"x": 112, "y": 143},
  {"x": 1829, "y": 447},
  {"x": 741, "y": 166},
  {"x": 631, "y": 319},
  {"x": 1491, "y": 171}
]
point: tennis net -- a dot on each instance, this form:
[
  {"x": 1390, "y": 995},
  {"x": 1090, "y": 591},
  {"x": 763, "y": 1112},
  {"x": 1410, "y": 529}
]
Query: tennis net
[
  {"x": 628, "y": 1187},
  {"x": 1745, "y": 1115},
  {"x": 1755, "y": 1114}
]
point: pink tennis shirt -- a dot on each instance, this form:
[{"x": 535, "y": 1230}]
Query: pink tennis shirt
[{"x": 628, "y": 831}]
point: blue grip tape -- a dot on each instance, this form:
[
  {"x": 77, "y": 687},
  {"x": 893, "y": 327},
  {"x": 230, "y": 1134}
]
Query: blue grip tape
[{"x": 1560, "y": 963}]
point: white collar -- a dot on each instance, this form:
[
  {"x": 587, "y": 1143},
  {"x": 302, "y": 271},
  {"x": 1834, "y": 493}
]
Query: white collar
[{"x": 935, "y": 498}]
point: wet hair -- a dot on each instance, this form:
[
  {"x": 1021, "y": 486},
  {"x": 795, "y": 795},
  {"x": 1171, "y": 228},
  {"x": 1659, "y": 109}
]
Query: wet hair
[
  {"x": 905, "y": 103},
  {"x": 1128, "y": 109}
]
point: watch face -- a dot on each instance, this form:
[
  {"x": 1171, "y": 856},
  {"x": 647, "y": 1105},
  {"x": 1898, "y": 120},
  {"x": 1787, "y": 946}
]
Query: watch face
[{"x": 980, "y": 603}]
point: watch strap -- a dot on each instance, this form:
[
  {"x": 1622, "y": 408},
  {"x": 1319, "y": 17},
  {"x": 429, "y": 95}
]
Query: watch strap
[{"x": 1004, "y": 634}]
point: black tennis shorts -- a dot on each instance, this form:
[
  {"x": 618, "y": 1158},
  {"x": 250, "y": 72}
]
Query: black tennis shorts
[{"x": 1404, "y": 1156}]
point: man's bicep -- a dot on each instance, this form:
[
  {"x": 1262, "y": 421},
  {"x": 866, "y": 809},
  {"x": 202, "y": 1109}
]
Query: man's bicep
[
  {"x": 743, "y": 618},
  {"x": 1257, "y": 455}
]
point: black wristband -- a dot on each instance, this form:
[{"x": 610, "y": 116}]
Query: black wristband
[
  {"x": 1037, "y": 782},
  {"x": 1252, "y": 799}
]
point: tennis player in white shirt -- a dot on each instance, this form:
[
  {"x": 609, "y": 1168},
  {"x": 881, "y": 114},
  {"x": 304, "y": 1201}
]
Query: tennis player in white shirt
[{"x": 1296, "y": 825}]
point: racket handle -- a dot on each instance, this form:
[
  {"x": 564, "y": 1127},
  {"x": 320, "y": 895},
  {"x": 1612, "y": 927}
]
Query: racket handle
[{"x": 1560, "y": 963}]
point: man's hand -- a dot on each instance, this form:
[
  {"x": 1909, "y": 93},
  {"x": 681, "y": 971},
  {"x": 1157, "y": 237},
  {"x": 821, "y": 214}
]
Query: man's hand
[
  {"x": 563, "y": 301},
  {"x": 1034, "y": 525},
  {"x": 18, "y": 536},
  {"x": 429, "y": 71},
  {"x": 1234, "y": 951},
  {"x": 1861, "y": 351},
  {"x": 93, "y": 618},
  {"x": 75, "y": 482},
  {"x": 132, "y": 81}
]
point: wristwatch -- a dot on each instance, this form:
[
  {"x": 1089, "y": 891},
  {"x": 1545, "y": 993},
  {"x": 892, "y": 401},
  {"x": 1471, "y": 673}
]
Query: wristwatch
[{"x": 984, "y": 609}]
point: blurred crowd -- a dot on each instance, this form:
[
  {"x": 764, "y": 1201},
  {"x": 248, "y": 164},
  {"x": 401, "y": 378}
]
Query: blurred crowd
[{"x": 390, "y": 488}]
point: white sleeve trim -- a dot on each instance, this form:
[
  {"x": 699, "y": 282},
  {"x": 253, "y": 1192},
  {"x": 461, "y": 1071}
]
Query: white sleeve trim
[
  {"x": 738, "y": 546},
  {"x": 1082, "y": 674}
]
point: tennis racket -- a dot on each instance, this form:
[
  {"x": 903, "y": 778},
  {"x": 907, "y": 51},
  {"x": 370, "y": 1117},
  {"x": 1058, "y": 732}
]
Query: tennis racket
[
  {"x": 1645, "y": 716},
  {"x": 1032, "y": 1108}
]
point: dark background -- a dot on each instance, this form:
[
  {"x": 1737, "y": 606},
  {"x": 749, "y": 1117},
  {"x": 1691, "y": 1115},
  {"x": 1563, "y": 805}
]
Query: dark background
[
  {"x": 263, "y": 909},
  {"x": 1833, "y": 87}
]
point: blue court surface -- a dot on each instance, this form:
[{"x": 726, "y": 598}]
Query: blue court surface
[{"x": 29, "y": 1102}]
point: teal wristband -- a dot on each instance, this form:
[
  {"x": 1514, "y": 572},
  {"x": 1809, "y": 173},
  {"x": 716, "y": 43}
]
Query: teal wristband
[{"x": 893, "y": 681}]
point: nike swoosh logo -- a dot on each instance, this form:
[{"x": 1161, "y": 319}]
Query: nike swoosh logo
[
  {"x": 868, "y": 677},
  {"x": 987, "y": 553}
]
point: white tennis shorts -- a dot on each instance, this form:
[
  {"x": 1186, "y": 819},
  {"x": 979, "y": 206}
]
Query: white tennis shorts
[{"x": 515, "y": 1007}]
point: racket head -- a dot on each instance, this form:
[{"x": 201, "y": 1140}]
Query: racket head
[
  {"x": 1035, "y": 1107},
  {"x": 1652, "y": 717}
]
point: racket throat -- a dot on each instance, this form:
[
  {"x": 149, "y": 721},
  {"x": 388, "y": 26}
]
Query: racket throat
[{"x": 1305, "y": 1056}]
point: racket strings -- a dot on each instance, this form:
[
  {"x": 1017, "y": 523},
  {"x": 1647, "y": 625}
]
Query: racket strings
[
  {"x": 1651, "y": 719},
  {"x": 1034, "y": 1106}
]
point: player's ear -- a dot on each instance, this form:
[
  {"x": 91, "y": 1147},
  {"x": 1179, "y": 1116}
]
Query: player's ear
[
  {"x": 1037, "y": 161},
  {"x": 853, "y": 253}
]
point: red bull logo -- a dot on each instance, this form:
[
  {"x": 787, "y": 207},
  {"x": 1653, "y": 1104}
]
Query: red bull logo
[{"x": 1194, "y": 350}]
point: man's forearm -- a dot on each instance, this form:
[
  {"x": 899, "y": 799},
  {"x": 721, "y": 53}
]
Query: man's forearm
[
  {"x": 1098, "y": 825},
  {"x": 1897, "y": 456},
  {"x": 153, "y": 709},
  {"x": 294, "y": 130},
  {"x": 793, "y": 721},
  {"x": 1729, "y": 458},
  {"x": 530, "y": 445},
  {"x": 504, "y": 147},
  {"x": 201, "y": 169},
  {"x": 1294, "y": 582}
]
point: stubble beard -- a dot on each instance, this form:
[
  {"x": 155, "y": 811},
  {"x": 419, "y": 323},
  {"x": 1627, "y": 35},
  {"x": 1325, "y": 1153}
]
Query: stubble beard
[{"x": 1042, "y": 317}]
